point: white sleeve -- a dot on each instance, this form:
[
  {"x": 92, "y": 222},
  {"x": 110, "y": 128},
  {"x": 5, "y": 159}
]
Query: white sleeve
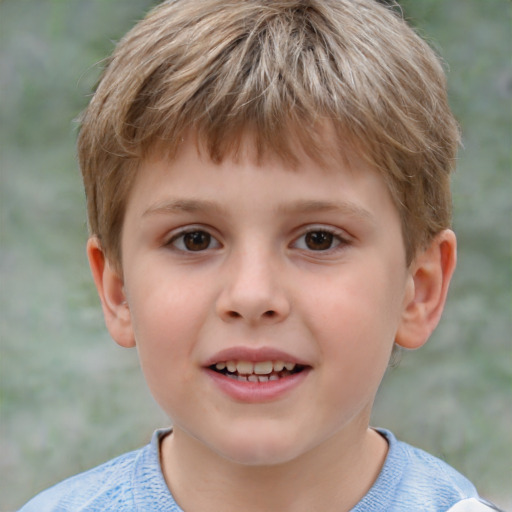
[{"x": 473, "y": 505}]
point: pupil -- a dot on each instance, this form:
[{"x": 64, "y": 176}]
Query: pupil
[
  {"x": 319, "y": 240},
  {"x": 197, "y": 241}
]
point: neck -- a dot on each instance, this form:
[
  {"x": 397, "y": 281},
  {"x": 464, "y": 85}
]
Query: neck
[{"x": 331, "y": 477}]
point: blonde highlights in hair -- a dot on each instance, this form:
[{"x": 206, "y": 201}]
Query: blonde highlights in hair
[{"x": 279, "y": 70}]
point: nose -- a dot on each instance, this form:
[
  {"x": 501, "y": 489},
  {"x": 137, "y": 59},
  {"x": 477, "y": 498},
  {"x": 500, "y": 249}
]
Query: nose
[{"x": 252, "y": 290}]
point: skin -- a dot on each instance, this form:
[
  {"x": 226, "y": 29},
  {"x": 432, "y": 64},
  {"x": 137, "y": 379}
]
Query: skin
[{"x": 258, "y": 280}]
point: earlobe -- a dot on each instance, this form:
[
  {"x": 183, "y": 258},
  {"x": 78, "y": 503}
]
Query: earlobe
[
  {"x": 429, "y": 279},
  {"x": 110, "y": 288}
]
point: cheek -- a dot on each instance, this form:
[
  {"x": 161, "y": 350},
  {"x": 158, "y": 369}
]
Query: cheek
[
  {"x": 357, "y": 306},
  {"x": 167, "y": 321},
  {"x": 355, "y": 325},
  {"x": 167, "y": 308}
]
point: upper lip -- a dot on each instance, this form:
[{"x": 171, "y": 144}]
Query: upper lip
[{"x": 254, "y": 355}]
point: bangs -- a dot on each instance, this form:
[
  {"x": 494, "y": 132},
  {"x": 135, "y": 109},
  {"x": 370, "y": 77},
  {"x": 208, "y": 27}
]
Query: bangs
[{"x": 275, "y": 71}]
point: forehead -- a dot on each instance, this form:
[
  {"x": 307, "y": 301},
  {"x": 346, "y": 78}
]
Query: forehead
[{"x": 191, "y": 180}]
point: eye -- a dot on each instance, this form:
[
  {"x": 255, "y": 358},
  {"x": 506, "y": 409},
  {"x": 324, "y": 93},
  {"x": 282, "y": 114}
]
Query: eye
[
  {"x": 194, "y": 241},
  {"x": 319, "y": 240}
]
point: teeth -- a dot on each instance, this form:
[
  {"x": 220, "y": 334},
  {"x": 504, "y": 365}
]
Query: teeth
[
  {"x": 278, "y": 366},
  {"x": 267, "y": 369},
  {"x": 256, "y": 378},
  {"x": 263, "y": 368},
  {"x": 244, "y": 367}
]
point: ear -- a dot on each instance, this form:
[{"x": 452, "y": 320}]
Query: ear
[
  {"x": 110, "y": 288},
  {"x": 429, "y": 279}
]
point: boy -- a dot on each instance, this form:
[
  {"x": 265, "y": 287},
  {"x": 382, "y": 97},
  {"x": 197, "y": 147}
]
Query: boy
[{"x": 268, "y": 196}]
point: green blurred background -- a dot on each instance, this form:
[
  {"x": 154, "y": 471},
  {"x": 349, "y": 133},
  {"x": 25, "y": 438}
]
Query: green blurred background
[{"x": 71, "y": 399}]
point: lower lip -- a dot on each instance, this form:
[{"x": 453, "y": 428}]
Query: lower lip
[{"x": 256, "y": 392}]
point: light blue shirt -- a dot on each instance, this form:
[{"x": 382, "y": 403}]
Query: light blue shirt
[{"x": 410, "y": 480}]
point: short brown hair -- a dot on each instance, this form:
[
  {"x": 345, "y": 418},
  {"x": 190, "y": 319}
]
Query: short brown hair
[{"x": 280, "y": 69}]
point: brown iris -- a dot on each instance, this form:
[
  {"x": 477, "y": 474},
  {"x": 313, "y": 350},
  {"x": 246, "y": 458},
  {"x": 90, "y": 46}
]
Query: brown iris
[
  {"x": 197, "y": 240},
  {"x": 319, "y": 240}
]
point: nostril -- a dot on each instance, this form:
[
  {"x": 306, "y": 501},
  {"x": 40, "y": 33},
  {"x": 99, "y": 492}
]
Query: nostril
[
  {"x": 269, "y": 314},
  {"x": 234, "y": 314}
]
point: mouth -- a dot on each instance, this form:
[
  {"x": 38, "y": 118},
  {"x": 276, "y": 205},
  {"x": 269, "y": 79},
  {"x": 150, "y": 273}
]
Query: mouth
[{"x": 262, "y": 371}]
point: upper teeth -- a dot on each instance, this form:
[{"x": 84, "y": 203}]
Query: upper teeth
[{"x": 260, "y": 368}]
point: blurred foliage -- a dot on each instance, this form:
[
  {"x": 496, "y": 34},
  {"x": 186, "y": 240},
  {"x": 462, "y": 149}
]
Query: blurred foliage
[{"x": 71, "y": 399}]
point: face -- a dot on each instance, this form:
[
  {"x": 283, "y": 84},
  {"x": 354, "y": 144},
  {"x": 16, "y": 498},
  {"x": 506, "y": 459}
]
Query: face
[{"x": 263, "y": 300}]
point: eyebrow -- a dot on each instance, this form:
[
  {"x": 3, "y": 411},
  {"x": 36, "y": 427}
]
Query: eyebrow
[
  {"x": 296, "y": 207},
  {"x": 183, "y": 205},
  {"x": 314, "y": 206}
]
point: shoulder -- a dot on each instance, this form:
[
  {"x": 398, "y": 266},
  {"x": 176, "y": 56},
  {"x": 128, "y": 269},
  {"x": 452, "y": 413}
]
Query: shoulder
[
  {"x": 133, "y": 481},
  {"x": 424, "y": 471},
  {"x": 412, "y": 479},
  {"x": 102, "y": 485}
]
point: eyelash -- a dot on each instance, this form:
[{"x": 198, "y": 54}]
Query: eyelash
[
  {"x": 338, "y": 238},
  {"x": 178, "y": 240}
]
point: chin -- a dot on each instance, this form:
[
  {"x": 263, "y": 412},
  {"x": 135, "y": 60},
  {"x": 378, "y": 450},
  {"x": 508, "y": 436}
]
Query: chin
[{"x": 259, "y": 450}]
